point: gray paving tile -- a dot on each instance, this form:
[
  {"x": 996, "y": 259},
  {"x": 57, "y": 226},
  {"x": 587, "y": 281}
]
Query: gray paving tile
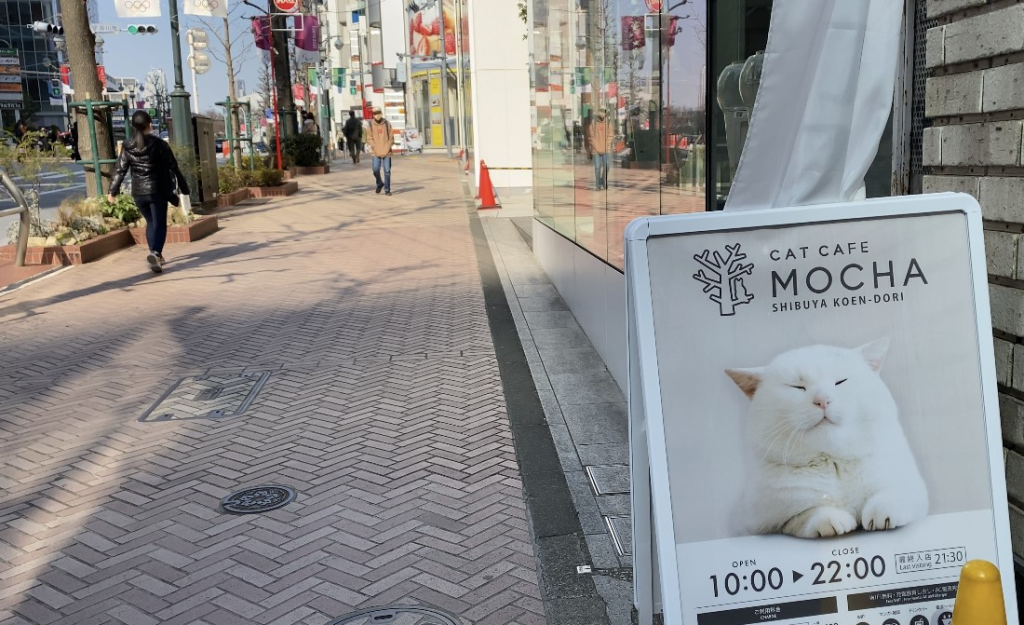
[
  {"x": 553, "y": 319},
  {"x": 586, "y": 506},
  {"x": 548, "y": 339},
  {"x": 613, "y": 505},
  {"x": 603, "y": 453},
  {"x": 583, "y": 360},
  {"x": 585, "y": 388},
  {"x": 536, "y": 290},
  {"x": 597, "y": 423},
  {"x": 542, "y": 303},
  {"x": 602, "y": 551},
  {"x": 566, "y": 448},
  {"x": 609, "y": 479}
]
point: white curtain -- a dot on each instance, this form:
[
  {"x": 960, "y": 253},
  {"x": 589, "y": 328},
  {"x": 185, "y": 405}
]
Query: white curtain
[{"x": 825, "y": 95}]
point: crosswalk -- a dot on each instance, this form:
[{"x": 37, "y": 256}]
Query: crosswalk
[{"x": 72, "y": 180}]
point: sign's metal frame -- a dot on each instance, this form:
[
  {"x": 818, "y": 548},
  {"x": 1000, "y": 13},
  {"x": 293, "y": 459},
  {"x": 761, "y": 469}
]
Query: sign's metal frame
[{"x": 656, "y": 566}]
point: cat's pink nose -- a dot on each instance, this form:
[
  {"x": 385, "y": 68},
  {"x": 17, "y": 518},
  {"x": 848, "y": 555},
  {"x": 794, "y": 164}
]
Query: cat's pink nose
[{"x": 821, "y": 402}]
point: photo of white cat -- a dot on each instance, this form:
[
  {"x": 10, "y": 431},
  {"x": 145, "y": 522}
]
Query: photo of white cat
[{"x": 825, "y": 450}]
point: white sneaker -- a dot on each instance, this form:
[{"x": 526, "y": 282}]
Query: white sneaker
[{"x": 154, "y": 262}]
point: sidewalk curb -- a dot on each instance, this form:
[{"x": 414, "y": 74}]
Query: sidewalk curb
[
  {"x": 14, "y": 286},
  {"x": 569, "y": 596}
]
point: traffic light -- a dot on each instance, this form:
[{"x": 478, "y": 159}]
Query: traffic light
[
  {"x": 142, "y": 29},
  {"x": 49, "y": 29}
]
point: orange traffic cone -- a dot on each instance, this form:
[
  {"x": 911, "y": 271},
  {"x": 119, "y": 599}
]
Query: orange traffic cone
[
  {"x": 487, "y": 198},
  {"x": 466, "y": 171}
]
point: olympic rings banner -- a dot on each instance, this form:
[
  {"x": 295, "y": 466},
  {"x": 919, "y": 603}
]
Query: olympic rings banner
[
  {"x": 140, "y": 8},
  {"x": 206, "y": 8}
]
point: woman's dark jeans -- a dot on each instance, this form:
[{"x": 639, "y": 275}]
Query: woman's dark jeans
[{"x": 154, "y": 210}]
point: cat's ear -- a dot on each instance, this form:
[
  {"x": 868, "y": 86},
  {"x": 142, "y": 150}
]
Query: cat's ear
[
  {"x": 874, "y": 352},
  {"x": 747, "y": 379}
]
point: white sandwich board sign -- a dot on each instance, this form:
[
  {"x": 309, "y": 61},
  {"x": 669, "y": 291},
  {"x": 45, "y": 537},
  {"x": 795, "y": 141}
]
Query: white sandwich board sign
[{"x": 815, "y": 431}]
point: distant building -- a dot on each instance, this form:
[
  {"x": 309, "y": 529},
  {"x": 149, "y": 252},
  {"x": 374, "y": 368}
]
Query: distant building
[{"x": 40, "y": 61}]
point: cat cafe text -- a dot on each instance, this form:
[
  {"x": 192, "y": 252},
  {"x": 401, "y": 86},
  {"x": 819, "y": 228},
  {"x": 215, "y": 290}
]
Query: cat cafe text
[{"x": 818, "y": 284}]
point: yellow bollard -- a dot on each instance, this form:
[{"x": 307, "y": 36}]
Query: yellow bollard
[{"x": 979, "y": 598}]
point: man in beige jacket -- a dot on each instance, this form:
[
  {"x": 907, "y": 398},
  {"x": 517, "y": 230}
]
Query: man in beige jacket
[
  {"x": 379, "y": 137},
  {"x": 601, "y": 141}
]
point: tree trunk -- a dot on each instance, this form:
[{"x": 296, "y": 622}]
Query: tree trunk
[
  {"x": 283, "y": 73},
  {"x": 81, "y": 46},
  {"x": 236, "y": 149}
]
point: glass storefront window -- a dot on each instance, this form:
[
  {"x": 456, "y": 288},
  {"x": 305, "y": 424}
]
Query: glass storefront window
[{"x": 676, "y": 80}]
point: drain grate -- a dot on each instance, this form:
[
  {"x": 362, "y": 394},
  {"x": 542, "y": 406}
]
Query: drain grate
[
  {"x": 210, "y": 396},
  {"x": 397, "y": 615},
  {"x": 621, "y": 529},
  {"x": 609, "y": 479},
  {"x": 258, "y": 499}
]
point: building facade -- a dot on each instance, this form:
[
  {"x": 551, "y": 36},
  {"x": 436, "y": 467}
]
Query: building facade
[
  {"x": 677, "y": 79},
  {"x": 39, "y": 63}
]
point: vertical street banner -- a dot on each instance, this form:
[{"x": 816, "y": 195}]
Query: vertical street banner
[
  {"x": 307, "y": 39},
  {"x": 818, "y": 391},
  {"x": 205, "y": 8},
  {"x": 138, "y": 8},
  {"x": 11, "y": 96}
]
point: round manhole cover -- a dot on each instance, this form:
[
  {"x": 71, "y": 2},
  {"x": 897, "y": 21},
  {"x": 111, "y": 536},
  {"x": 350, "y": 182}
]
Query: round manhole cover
[
  {"x": 258, "y": 499},
  {"x": 397, "y": 615}
]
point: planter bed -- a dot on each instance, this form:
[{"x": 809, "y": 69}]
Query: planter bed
[
  {"x": 202, "y": 227},
  {"x": 318, "y": 170},
  {"x": 86, "y": 252},
  {"x": 225, "y": 200},
  {"x": 287, "y": 188}
]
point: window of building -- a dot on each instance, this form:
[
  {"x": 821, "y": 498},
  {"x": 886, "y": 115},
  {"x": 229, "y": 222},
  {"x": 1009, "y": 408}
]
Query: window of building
[{"x": 675, "y": 81}]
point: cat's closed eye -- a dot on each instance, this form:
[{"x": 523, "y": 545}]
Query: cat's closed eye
[
  {"x": 841, "y": 381},
  {"x": 799, "y": 388}
]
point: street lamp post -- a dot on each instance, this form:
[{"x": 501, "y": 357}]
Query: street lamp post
[{"x": 180, "y": 110}]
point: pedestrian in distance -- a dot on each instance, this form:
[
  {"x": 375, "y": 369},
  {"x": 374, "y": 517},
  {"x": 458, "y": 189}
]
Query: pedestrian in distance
[
  {"x": 380, "y": 139},
  {"x": 353, "y": 133},
  {"x": 154, "y": 170},
  {"x": 601, "y": 139}
]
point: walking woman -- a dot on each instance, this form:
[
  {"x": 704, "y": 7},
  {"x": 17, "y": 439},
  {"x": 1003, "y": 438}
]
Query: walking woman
[{"x": 152, "y": 164}]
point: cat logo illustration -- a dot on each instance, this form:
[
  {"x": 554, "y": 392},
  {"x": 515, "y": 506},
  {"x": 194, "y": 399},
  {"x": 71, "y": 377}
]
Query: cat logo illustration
[{"x": 725, "y": 284}]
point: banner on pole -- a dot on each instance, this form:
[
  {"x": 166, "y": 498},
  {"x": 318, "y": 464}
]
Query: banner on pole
[
  {"x": 137, "y": 8},
  {"x": 205, "y": 8}
]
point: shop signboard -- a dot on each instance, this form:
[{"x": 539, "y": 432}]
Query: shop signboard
[
  {"x": 286, "y": 6},
  {"x": 10, "y": 79},
  {"x": 436, "y": 113},
  {"x": 813, "y": 413}
]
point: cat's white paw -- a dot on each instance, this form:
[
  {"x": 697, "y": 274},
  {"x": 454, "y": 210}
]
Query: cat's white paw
[
  {"x": 826, "y": 522},
  {"x": 886, "y": 511}
]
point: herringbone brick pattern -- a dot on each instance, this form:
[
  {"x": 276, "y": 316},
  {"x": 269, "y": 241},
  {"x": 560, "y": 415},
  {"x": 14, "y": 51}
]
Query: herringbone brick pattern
[{"x": 384, "y": 411}]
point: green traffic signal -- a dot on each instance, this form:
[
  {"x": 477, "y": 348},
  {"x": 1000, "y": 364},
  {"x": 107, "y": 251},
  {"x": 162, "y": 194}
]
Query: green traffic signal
[{"x": 141, "y": 29}]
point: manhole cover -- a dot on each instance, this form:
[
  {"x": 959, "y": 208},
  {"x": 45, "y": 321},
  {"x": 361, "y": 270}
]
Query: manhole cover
[
  {"x": 258, "y": 499},
  {"x": 397, "y": 615},
  {"x": 210, "y": 396}
]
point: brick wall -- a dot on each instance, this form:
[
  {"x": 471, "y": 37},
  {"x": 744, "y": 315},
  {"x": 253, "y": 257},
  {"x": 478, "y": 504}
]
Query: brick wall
[{"x": 975, "y": 104}]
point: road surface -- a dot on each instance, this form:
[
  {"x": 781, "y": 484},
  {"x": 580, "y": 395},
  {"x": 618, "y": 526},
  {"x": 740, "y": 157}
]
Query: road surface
[{"x": 55, "y": 187}]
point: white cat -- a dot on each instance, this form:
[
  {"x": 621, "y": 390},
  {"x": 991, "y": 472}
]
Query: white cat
[{"x": 826, "y": 450}]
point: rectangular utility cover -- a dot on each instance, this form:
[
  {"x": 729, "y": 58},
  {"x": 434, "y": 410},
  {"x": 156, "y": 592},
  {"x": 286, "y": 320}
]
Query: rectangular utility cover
[{"x": 210, "y": 396}]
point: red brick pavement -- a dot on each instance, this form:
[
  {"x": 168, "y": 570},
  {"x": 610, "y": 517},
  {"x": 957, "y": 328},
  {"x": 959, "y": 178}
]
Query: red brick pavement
[{"x": 385, "y": 412}]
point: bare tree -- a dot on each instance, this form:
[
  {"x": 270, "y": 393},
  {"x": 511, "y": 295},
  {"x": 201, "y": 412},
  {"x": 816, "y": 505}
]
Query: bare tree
[
  {"x": 81, "y": 46},
  {"x": 232, "y": 51}
]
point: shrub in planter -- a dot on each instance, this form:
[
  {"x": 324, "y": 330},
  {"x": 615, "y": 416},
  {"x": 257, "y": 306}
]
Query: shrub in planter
[
  {"x": 304, "y": 149},
  {"x": 229, "y": 179},
  {"x": 268, "y": 178}
]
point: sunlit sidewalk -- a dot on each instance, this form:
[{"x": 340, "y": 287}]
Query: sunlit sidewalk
[{"x": 351, "y": 330}]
